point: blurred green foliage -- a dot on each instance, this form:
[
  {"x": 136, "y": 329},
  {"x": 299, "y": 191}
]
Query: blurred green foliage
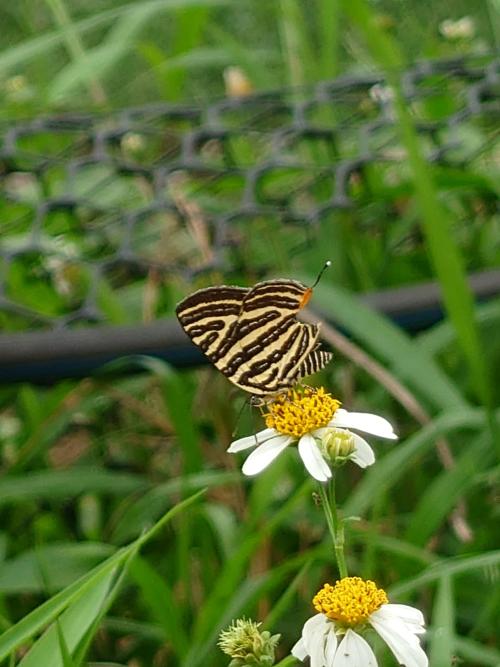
[{"x": 88, "y": 466}]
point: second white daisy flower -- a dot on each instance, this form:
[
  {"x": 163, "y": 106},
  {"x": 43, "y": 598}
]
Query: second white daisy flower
[{"x": 333, "y": 637}]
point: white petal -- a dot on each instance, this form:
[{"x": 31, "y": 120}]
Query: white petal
[
  {"x": 412, "y": 617},
  {"x": 330, "y": 646},
  {"x": 401, "y": 640},
  {"x": 265, "y": 454},
  {"x": 252, "y": 440},
  {"x": 313, "y": 634},
  {"x": 364, "y": 421},
  {"x": 313, "y": 460},
  {"x": 317, "y": 655},
  {"x": 354, "y": 651},
  {"x": 299, "y": 650},
  {"x": 363, "y": 454},
  {"x": 314, "y": 627}
]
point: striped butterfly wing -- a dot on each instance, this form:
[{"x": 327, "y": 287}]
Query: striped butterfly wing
[
  {"x": 209, "y": 317},
  {"x": 253, "y": 336},
  {"x": 275, "y": 350}
]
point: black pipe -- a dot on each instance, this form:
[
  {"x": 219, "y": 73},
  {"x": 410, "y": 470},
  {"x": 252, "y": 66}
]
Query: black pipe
[{"x": 48, "y": 356}]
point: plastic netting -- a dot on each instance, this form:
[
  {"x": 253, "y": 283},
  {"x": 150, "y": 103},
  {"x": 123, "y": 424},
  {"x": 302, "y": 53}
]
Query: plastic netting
[{"x": 92, "y": 203}]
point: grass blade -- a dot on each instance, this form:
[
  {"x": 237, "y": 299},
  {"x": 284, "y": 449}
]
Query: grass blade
[
  {"x": 76, "y": 49},
  {"x": 295, "y": 41},
  {"x": 36, "y": 620},
  {"x": 57, "y": 484},
  {"x": 436, "y": 222},
  {"x": 450, "y": 567},
  {"x": 445, "y": 490},
  {"x": 443, "y": 623},
  {"x": 161, "y": 604},
  {"x": 17, "y": 56},
  {"x": 74, "y": 623},
  {"x": 390, "y": 468},
  {"x": 411, "y": 364}
]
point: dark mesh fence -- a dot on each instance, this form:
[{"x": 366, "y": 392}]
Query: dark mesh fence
[{"x": 96, "y": 204}]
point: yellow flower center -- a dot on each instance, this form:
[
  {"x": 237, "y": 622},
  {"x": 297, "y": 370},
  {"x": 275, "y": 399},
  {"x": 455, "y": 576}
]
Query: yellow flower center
[
  {"x": 351, "y": 601},
  {"x": 301, "y": 411}
]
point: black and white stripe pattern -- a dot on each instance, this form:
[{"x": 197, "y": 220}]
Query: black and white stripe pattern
[{"x": 252, "y": 334}]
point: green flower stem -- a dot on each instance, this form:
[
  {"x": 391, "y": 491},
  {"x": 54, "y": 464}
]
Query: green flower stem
[{"x": 335, "y": 526}]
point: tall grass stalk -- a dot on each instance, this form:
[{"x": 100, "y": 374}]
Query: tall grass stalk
[
  {"x": 294, "y": 41},
  {"x": 310, "y": 40},
  {"x": 75, "y": 48},
  {"x": 436, "y": 223},
  {"x": 493, "y": 10},
  {"x": 328, "y": 24}
]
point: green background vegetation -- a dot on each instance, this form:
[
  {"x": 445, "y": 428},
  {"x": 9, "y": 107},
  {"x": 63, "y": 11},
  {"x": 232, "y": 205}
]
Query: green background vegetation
[{"x": 88, "y": 466}]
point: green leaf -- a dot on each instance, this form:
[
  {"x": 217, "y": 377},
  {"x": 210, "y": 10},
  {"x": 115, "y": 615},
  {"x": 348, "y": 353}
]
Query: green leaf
[
  {"x": 449, "y": 567},
  {"x": 410, "y": 364},
  {"x": 145, "y": 510},
  {"x": 161, "y": 604},
  {"x": 17, "y": 56},
  {"x": 224, "y": 525},
  {"x": 64, "y": 402},
  {"x": 56, "y": 484},
  {"x": 296, "y": 46},
  {"x": 50, "y": 567},
  {"x": 436, "y": 222},
  {"x": 178, "y": 400},
  {"x": 84, "y": 645},
  {"x": 443, "y": 623},
  {"x": 389, "y": 469},
  {"x": 234, "y": 570},
  {"x": 246, "y": 596},
  {"x": 442, "y": 494},
  {"x": 47, "y": 612},
  {"x": 74, "y": 623},
  {"x": 443, "y": 335},
  {"x": 104, "y": 57},
  {"x": 474, "y": 653},
  {"x": 63, "y": 647}
]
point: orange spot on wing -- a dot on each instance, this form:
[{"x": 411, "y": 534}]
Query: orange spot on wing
[{"x": 305, "y": 298}]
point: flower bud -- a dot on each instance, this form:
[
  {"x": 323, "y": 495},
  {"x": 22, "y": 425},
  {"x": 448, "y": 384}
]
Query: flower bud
[
  {"x": 247, "y": 645},
  {"x": 337, "y": 445}
]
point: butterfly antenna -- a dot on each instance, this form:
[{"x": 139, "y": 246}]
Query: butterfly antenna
[
  {"x": 327, "y": 264},
  {"x": 309, "y": 290}
]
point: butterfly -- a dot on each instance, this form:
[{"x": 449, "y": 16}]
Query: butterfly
[{"x": 252, "y": 335}]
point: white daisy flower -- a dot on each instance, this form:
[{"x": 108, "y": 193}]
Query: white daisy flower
[
  {"x": 314, "y": 420},
  {"x": 331, "y": 638},
  {"x": 463, "y": 28}
]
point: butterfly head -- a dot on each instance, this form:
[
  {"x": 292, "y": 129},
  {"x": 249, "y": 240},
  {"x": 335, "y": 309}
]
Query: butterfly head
[
  {"x": 305, "y": 297},
  {"x": 308, "y": 292}
]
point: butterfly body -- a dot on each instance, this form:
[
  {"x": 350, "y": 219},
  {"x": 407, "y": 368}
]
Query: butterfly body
[{"x": 252, "y": 335}]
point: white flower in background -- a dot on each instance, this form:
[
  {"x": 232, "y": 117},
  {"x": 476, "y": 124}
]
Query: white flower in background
[
  {"x": 237, "y": 82},
  {"x": 10, "y": 427},
  {"x": 314, "y": 420},
  {"x": 61, "y": 261},
  {"x": 333, "y": 637},
  {"x": 132, "y": 143},
  {"x": 381, "y": 93},
  {"x": 463, "y": 28},
  {"x": 18, "y": 89}
]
